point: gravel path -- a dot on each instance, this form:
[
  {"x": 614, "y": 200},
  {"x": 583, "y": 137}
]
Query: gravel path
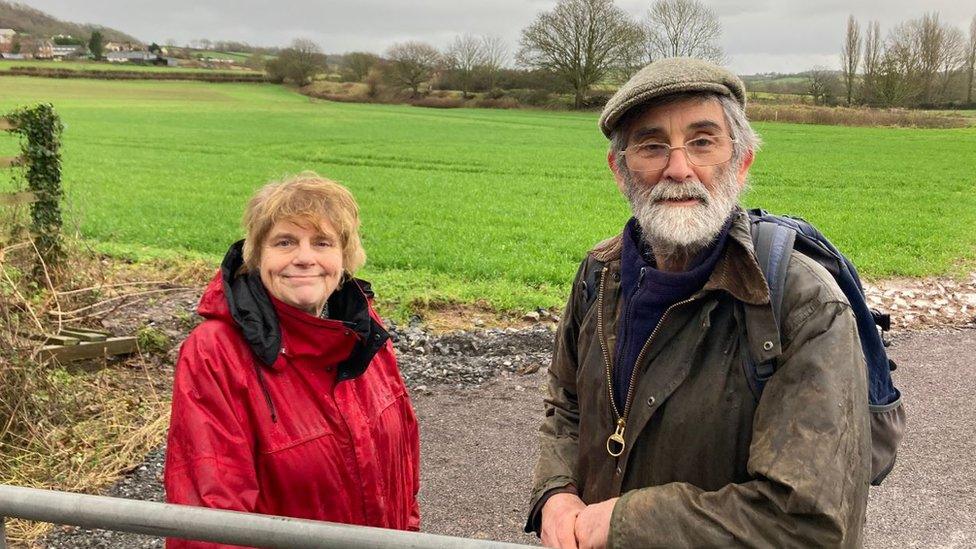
[{"x": 478, "y": 396}]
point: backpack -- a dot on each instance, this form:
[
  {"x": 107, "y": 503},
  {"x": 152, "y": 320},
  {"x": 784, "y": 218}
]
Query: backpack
[{"x": 775, "y": 238}]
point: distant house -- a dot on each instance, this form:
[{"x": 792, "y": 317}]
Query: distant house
[
  {"x": 132, "y": 57},
  {"x": 38, "y": 48},
  {"x": 119, "y": 46},
  {"x": 7, "y": 40},
  {"x": 13, "y": 56},
  {"x": 63, "y": 52}
]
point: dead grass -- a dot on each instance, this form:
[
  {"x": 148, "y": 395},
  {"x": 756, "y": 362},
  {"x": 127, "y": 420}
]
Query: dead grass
[
  {"x": 78, "y": 426},
  {"x": 440, "y": 317},
  {"x": 844, "y": 116}
]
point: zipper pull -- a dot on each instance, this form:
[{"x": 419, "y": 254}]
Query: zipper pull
[
  {"x": 617, "y": 439},
  {"x": 640, "y": 277}
]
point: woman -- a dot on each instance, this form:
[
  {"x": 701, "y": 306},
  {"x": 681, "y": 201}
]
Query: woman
[{"x": 287, "y": 399}]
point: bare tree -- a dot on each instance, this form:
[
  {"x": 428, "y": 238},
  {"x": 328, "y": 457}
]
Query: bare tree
[
  {"x": 934, "y": 49},
  {"x": 820, "y": 84},
  {"x": 412, "y": 63},
  {"x": 495, "y": 56},
  {"x": 850, "y": 56},
  {"x": 299, "y": 62},
  {"x": 358, "y": 64},
  {"x": 682, "y": 28},
  {"x": 464, "y": 56},
  {"x": 899, "y": 80},
  {"x": 971, "y": 59},
  {"x": 255, "y": 61},
  {"x": 952, "y": 60},
  {"x": 580, "y": 41},
  {"x": 872, "y": 62}
]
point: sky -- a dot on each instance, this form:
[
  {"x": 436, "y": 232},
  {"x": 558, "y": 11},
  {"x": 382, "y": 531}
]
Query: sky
[{"x": 758, "y": 35}]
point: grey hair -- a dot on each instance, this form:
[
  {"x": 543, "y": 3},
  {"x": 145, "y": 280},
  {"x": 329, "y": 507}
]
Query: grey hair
[{"x": 746, "y": 140}]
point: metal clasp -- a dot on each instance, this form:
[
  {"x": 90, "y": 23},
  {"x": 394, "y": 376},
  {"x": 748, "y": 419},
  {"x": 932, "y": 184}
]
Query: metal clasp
[{"x": 617, "y": 438}]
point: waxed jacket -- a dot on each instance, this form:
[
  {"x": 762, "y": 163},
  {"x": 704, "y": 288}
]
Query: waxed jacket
[
  {"x": 703, "y": 462},
  {"x": 279, "y": 412}
]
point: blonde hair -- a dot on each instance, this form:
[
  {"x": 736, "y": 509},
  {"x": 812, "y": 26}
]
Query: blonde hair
[{"x": 306, "y": 199}]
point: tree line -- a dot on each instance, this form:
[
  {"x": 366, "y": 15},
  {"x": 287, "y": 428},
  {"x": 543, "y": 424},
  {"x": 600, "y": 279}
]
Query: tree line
[
  {"x": 922, "y": 62},
  {"x": 571, "y": 48},
  {"x": 585, "y": 47}
]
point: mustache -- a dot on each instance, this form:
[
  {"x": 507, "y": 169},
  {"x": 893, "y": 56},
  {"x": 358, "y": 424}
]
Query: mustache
[{"x": 669, "y": 189}]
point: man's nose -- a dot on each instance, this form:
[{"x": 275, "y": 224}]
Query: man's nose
[{"x": 678, "y": 167}]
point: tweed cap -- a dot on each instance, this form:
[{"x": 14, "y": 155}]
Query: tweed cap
[{"x": 668, "y": 76}]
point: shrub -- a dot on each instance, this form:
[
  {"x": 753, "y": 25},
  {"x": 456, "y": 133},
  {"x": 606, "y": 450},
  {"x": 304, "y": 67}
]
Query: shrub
[
  {"x": 843, "y": 116},
  {"x": 532, "y": 97},
  {"x": 501, "y": 103},
  {"x": 596, "y": 100},
  {"x": 374, "y": 82},
  {"x": 152, "y": 340},
  {"x": 438, "y": 102}
]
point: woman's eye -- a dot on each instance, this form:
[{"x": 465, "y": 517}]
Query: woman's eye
[
  {"x": 282, "y": 243},
  {"x": 324, "y": 243}
]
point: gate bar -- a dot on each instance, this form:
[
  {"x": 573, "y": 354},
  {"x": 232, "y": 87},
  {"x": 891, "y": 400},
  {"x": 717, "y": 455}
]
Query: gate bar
[{"x": 218, "y": 526}]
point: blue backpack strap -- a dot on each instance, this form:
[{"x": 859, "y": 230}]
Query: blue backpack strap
[{"x": 773, "y": 243}]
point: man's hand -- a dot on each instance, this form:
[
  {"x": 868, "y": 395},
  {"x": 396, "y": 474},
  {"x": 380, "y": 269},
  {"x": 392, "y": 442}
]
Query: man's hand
[
  {"x": 559, "y": 520},
  {"x": 593, "y": 525}
]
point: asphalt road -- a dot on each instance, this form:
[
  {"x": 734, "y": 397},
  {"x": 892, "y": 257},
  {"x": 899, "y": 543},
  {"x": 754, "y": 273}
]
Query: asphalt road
[{"x": 479, "y": 446}]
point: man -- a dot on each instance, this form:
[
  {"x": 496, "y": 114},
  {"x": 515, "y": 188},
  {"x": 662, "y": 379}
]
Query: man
[{"x": 653, "y": 435}]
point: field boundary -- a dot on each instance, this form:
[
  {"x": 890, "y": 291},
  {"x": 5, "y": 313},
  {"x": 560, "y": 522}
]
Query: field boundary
[{"x": 217, "y": 77}]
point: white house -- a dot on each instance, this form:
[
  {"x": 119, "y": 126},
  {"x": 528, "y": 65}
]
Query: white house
[{"x": 7, "y": 40}]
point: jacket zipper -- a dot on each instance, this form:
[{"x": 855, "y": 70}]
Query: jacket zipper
[{"x": 617, "y": 437}]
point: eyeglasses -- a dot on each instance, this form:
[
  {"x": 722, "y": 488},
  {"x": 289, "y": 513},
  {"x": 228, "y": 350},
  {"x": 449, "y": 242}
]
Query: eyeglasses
[{"x": 702, "y": 151}]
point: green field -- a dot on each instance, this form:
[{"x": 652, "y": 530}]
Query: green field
[{"x": 467, "y": 204}]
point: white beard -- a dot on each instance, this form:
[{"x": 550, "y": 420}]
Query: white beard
[{"x": 682, "y": 229}]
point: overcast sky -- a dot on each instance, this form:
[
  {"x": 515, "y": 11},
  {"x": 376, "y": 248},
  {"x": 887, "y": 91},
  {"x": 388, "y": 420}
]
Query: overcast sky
[{"x": 759, "y": 35}]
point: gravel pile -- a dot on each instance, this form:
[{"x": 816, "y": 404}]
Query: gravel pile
[
  {"x": 917, "y": 304},
  {"x": 465, "y": 359}
]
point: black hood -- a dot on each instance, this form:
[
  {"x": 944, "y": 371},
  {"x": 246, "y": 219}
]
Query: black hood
[{"x": 252, "y": 310}]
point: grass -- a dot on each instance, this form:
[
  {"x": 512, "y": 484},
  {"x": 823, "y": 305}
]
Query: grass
[{"x": 468, "y": 204}]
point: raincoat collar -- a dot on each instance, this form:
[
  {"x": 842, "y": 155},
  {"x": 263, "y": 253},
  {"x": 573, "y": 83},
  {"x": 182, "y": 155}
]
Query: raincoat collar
[{"x": 260, "y": 317}]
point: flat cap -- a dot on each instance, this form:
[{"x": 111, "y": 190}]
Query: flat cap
[{"x": 668, "y": 76}]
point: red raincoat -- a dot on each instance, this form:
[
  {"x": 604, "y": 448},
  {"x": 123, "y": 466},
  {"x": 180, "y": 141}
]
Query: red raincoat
[{"x": 305, "y": 437}]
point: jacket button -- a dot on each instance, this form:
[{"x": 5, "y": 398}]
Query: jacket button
[
  {"x": 616, "y": 277},
  {"x": 768, "y": 346},
  {"x": 651, "y": 401}
]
